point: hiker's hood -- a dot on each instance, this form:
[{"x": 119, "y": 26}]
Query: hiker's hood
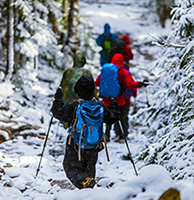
[
  {"x": 79, "y": 60},
  {"x": 118, "y": 60},
  {"x": 85, "y": 87},
  {"x": 126, "y": 39},
  {"x": 106, "y": 29}
]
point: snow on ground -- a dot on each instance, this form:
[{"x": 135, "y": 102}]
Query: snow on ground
[{"x": 19, "y": 158}]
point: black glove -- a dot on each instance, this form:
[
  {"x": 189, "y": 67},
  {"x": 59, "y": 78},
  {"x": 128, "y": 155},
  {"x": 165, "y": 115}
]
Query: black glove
[
  {"x": 59, "y": 93},
  {"x": 146, "y": 81},
  {"x": 114, "y": 104},
  {"x": 143, "y": 84}
]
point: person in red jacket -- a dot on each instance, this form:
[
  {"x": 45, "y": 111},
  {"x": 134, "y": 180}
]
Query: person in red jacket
[
  {"x": 127, "y": 52},
  {"x": 126, "y": 81}
]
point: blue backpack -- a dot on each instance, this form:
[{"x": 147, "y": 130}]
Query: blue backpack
[
  {"x": 109, "y": 81},
  {"x": 87, "y": 130}
]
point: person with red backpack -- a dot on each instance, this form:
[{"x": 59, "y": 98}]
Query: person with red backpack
[{"x": 125, "y": 81}]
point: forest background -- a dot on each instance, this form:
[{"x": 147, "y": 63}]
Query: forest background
[{"x": 38, "y": 40}]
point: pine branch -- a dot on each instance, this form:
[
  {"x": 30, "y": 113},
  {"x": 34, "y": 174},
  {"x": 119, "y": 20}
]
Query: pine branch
[{"x": 166, "y": 43}]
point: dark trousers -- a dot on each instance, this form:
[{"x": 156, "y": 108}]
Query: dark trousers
[
  {"x": 77, "y": 171},
  {"x": 123, "y": 116}
]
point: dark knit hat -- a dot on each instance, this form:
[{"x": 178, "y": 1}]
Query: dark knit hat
[{"x": 85, "y": 87}]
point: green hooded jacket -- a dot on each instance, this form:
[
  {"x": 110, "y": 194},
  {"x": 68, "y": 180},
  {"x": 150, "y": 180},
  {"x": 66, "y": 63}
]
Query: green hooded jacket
[{"x": 70, "y": 77}]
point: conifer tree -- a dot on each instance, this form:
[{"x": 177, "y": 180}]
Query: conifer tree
[
  {"x": 170, "y": 118},
  {"x": 10, "y": 40}
]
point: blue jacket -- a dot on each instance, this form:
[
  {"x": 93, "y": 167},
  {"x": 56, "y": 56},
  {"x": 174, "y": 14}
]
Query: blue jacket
[{"x": 100, "y": 41}]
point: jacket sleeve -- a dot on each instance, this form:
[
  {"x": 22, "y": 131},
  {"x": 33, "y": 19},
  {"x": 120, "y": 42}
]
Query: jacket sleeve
[
  {"x": 127, "y": 53},
  {"x": 111, "y": 114},
  {"x": 127, "y": 80},
  {"x": 134, "y": 92},
  {"x": 63, "y": 113},
  {"x": 100, "y": 40}
]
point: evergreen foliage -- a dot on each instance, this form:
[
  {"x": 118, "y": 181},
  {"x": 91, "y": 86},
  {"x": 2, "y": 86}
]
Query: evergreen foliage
[
  {"x": 40, "y": 28},
  {"x": 169, "y": 119},
  {"x": 171, "y": 116}
]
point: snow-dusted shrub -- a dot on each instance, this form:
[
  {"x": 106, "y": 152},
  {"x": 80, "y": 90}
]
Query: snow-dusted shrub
[{"x": 171, "y": 116}]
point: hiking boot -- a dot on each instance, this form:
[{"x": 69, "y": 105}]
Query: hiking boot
[{"x": 88, "y": 182}]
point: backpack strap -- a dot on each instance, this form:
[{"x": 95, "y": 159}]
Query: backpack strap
[
  {"x": 73, "y": 128},
  {"x": 75, "y": 118},
  {"x": 103, "y": 137},
  {"x": 80, "y": 146}
]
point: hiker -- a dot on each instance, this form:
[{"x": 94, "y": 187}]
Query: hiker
[
  {"x": 70, "y": 77},
  {"x": 125, "y": 80},
  {"x": 128, "y": 92},
  {"x": 127, "y": 52},
  {"x": 121, "y": 45},
  {"x": 105, "y": 41},
  {"x": 80, "y": 161},
  {"x": 117, "y": 47}
]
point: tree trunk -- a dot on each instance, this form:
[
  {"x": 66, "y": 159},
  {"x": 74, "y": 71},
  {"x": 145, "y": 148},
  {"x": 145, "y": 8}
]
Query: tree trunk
[
  {"x": 64, "y": 7},
  {"x": 163, "y": 10},
  {"x": 72, "y": 40},
  {"x": 16, "y": 39},
  {"x": 10, "y": 40}
]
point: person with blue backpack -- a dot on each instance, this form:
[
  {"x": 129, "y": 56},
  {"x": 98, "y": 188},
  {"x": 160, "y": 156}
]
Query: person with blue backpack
[
  {"x": 86, "y": 117},
  {"x": 105, "y": 41},
  {"x": 113, "y": 82}
]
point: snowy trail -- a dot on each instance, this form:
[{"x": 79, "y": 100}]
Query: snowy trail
[
  {"x": 126, "y": 18},
  {"x": 132, "y": 19},
  {"x": 120, "y": 20},
  {"x": 129, "y": 18},
  {"x": 19, "y": 158}
]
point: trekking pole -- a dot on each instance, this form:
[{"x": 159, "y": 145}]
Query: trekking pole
[
  {"x": 57, "y": 135},
  {"x": 130, "y": 156},
  {"x": 147, "y": 97},
  {"x": 38, "y": 169},
  {"x": 135, "y": 106},
  {"x": 106, "y": 148}
]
